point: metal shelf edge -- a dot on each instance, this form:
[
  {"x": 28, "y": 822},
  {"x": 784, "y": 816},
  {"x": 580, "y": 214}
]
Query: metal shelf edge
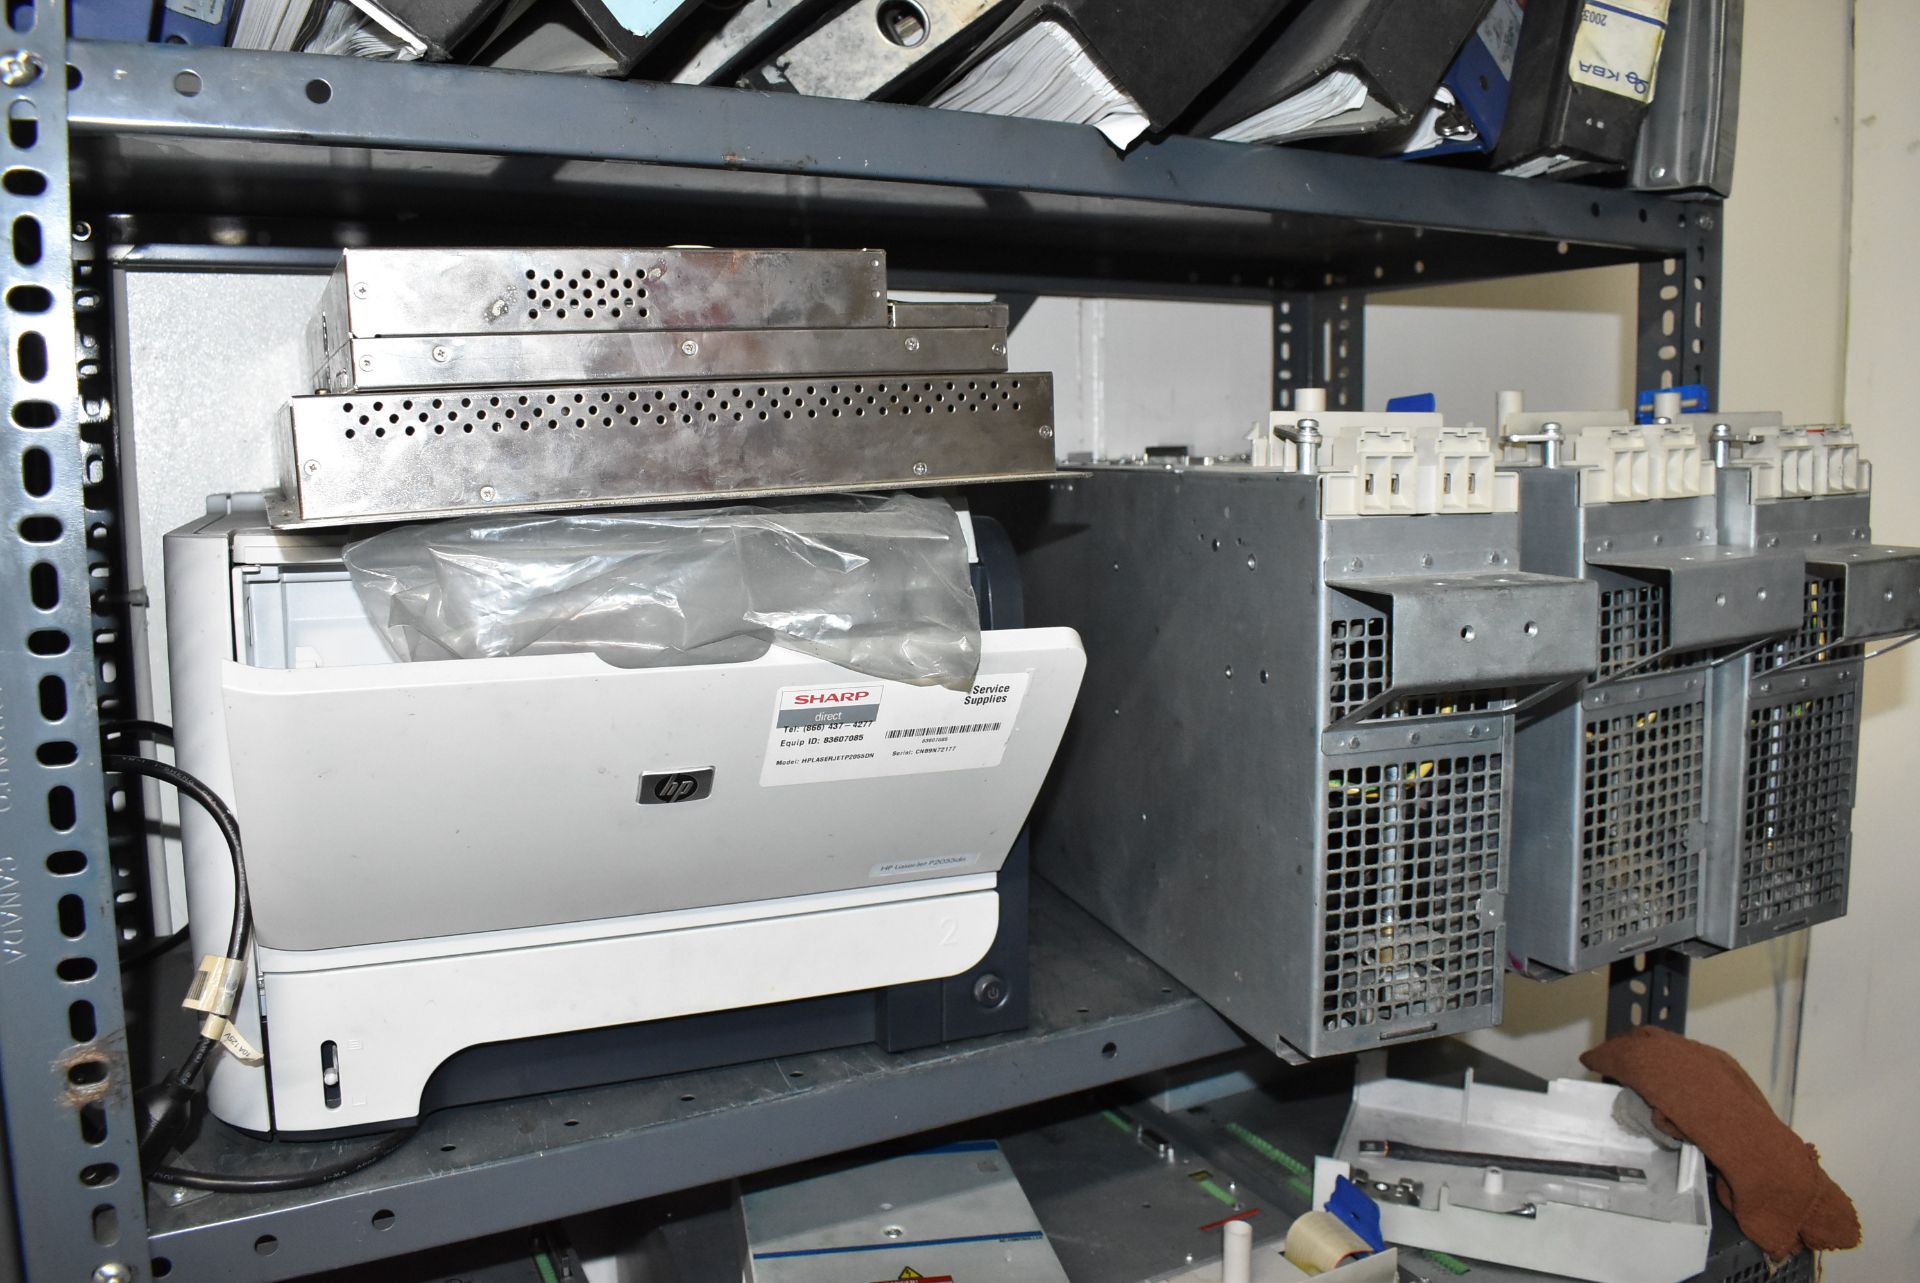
[{"x": 130, "y": 90}]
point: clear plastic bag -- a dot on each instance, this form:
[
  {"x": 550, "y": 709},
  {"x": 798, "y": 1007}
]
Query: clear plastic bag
[{"x": 878, "y": 585}]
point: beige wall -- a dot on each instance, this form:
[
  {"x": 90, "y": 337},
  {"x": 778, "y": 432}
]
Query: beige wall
[{"x": 1860, "y": 1057}]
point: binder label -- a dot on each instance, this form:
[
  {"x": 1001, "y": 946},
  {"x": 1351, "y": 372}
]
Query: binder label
[
  {"x": 212, "y": 12},
  {"x": 1617, "y": 47}
]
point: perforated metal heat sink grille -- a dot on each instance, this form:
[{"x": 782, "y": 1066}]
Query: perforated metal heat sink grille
[
  {"x": 585, "y": 291},
  {"x": 1412, "y": 846},
  {"x": 1821, "y": 623},
  {"x": 1633, "y": 626},
  {"x": 1795, "y": 1269},
  {"x": 1640, "y": 821},
  {"x": 1797, "y": 807},
  {"x": 1356, "y": 663},
  {"x": 659, "y": 405}
]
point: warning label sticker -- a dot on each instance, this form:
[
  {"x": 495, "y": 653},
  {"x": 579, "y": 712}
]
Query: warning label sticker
[{"x": 851, "y": 732}]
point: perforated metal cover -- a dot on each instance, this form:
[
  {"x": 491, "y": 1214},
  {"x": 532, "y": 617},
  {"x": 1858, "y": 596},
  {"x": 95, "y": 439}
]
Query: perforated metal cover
[
  {"x": 1823, "y": 622},
  {"x": 1796, "y": 812},
  {"x": 1633, "y": 625},
  {"x": 507, "y": 291},
  {"x": 1413, "y": 872},
  {"x": 1357, "y": 659},
  {"x": 1641, "y": 825},
  {"x": 443, "y": 453}
]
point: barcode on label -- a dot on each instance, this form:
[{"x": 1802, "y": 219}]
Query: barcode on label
[{"x": 922, "y": 731}]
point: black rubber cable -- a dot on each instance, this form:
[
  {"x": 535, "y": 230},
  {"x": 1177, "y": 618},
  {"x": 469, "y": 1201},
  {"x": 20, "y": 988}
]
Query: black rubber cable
[
  {"x": 191, "y": 786},
  {"x": 286, "y": 1180},
  {"x": 139, "y": 728},
  {"x": 183, "y": 1078}
]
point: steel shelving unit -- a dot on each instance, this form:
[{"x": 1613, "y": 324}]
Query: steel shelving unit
[{"x": 249, "y": 156}]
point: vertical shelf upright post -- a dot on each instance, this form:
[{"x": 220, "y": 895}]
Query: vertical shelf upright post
[{"x": 77, "y": 1206}]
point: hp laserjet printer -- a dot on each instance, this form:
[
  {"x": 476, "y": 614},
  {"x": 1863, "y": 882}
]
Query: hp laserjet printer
[{"x": 450, "y": 858}]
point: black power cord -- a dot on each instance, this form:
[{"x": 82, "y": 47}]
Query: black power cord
[
  {"x": 166, "y": 1109},
  {"x": 225, "y": 1184}
]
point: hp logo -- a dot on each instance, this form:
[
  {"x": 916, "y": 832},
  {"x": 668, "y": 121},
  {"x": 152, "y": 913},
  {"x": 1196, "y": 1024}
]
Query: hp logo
[{"x": 675, "y": 786}]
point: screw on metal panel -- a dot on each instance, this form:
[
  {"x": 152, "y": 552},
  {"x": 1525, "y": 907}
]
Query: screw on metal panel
[
  {"x": 113, "y": 1272},
  {"x": 441, "y": 353},
  {"x": 1046, "y": 433},
  {"x": 690, "y": 348},
  {"x": 1354, "y": 742},
  {"x": 82, "y": 230},
  {"x": 1355, "y": 564},
  {"x": 313, "y": 465},
  {"x": 913, "y": 344},
  {"x": 657, "y": 273},
  {"x": 1773, "y": 541},
  {"x": 19, "y": 67},
  {"x": 496, "y": 309},
  {"x": 921, "y": 469},
  {"x": 1606, "y": 545},
  {"x": 1704, "y": 222},
  {"x": 999, "y": 349},
  {"x": 1766, "y": 687},
  {"x": 488, "y": 493},
  {"x": 360, "y": 291},
  {"x": 1426, "y": 559},
  {"x": 1473, "y": 732},
  {"x": 1495, "y": 559},
  {"x": 1414, "y": 738},
  {"x": 366, "y": 363}
]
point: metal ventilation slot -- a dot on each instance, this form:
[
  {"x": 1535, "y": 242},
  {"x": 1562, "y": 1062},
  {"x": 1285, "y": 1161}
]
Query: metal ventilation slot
[
  {"x": 1823, "y": 623},
  {"x": 1633, "y": 626},
  {"x": 1641, "y": 822},
  {"x": 1357, "y": 663},
  {"x": 1797, "y": 811},
  {"x": 1413, "y": 849}
]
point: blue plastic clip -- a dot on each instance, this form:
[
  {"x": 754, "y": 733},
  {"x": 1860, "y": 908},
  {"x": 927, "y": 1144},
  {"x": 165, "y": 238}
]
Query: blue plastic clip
[
  {"x": 1357, "y": 1211},
  {"x": 1693, "y": 400}
]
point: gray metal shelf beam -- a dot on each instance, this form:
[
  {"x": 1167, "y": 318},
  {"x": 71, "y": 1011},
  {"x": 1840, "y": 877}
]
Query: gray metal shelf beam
[{"x": 183, "y": 131}]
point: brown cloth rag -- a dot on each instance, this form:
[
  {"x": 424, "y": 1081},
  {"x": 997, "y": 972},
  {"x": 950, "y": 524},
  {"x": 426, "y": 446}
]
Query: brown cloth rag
[{"x": 1770, "y": 1179}]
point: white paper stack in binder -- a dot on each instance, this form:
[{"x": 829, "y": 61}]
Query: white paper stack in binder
[{"x": 450, "y": 381}]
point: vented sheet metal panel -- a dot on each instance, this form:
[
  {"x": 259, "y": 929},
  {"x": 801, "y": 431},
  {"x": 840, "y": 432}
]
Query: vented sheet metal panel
[
  {"x": 1796, "y": 803},
  {"x": 456, "y": 452},
  {"x": 457, "y": 360},
  {"x": 1642, "y": 824},
  {"x": 528, "y": 291},
  {"x": 1633, "y": 623},
  {"x": 1411, "y": 934},
  {"x": 1823, "y": 622}
]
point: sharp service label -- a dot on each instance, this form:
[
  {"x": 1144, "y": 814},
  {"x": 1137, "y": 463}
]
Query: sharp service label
[{"x": 857, "y": 732}]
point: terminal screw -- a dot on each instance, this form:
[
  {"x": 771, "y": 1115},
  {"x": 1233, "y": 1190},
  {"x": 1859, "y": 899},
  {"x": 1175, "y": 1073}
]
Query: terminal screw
[{"x": 690, "y": 348}]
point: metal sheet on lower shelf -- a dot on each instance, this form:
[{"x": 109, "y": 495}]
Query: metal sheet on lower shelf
[
  {"x": 1101, "y": 1013},
  {"x": 382, "y": 457},
  {"x": 466, "y": 360}
]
